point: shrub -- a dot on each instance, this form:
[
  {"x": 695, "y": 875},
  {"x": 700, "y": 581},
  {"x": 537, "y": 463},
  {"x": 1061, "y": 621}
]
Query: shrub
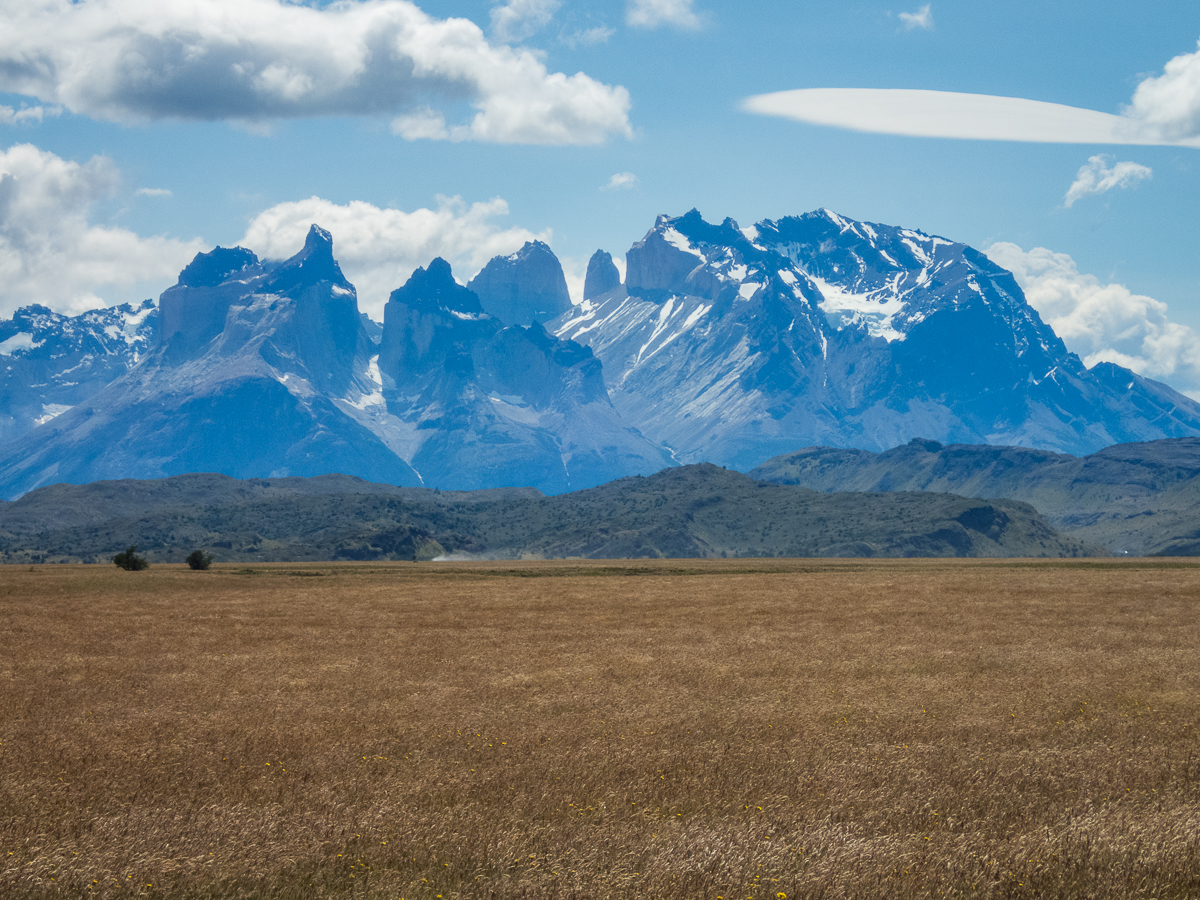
[
  {"x": 199, "y": 560},
  {"x": 129, "y": 561}
]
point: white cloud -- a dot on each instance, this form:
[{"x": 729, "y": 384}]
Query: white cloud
[
  {"x": 28, "y": 114},
  {"x": 922, "y": 18},
  {"x": 51, "y": 254},
  {"x": 520, "y": 19},
  {"x": 1104, "y": 322},
  {"x": 255, "y": 61},
  {"x": 1097, "y": 178},
  {"x": 422, "y": 123},
  {"x": 943, "y": 114},
  {"x": 587, "y": 37},
  {"x": 622, "y": 181},
  {"x": 1169, "y": 105},
  {"x": 153, "y": 192},
  {"x": 575, "y": 272},
  {"x": 652, "y": 13},
  {"x": 378, "y": 249}
]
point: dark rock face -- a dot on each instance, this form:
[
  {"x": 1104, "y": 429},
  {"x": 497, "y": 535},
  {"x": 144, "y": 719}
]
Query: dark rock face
[
  {"x": 732, "y": 345},
  {"x": 665, "y": 262},
  {"x": 602, "y": 275},
  {"x": 528, "y": 286},
  {"x": 490, "y": 406},
  {"x": 250, "y": 378},
  {"x": 50, "y": 362}
]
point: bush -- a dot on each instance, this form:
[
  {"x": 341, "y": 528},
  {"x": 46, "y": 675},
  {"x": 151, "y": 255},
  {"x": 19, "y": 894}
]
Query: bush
[
  {"x": 129, "y": 561},
  {"x": 199, "y": 560}
]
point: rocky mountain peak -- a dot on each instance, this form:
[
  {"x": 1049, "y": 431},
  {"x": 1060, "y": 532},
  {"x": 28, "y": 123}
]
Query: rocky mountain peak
[
  {"x": 525, "y": 286},
  {"x": 313, "y": 264},
  {"x": 689, "y": 256},
  {"x": 210, "y": 269},
  {"x": 602, "y": 275},
  {"x": 433, "y": 289}
]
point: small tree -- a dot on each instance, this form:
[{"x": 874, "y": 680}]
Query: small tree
[
  {"x": 199, "y": 560},
  {"x": 130, "y": 561}
]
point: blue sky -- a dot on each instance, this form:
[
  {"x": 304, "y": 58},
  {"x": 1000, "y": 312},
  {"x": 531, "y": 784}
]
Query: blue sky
[{"x": 135, "y": 132}]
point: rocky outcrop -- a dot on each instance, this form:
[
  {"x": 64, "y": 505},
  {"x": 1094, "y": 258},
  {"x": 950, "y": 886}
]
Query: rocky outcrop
[
  {"x": 50, "y": 362},
  {"x": 732, "y": 345},
  {"x": 528, "y": 286},
  {"x": 247, "y": 380},
  {"x": 478, "y": 404},
  {"x": 665, "y": 262},
  {"x": 602, "y": 275}
]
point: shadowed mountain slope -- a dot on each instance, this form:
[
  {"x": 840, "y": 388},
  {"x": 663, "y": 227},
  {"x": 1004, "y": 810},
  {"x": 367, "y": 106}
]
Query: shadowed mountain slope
[
  {"x": 733, "y": 345},
  {"x": 692, "y": 511},
  {"x": 50, "y": 362},
  {"x": 1137, "y": 498},
  {"x": 475, "y": 404},
  {"x": 251, "y": 359}
]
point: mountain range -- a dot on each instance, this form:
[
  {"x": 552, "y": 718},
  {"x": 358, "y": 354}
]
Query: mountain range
[{"x": 723, "y": 344}]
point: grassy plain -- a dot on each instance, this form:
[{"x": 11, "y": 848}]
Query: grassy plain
[{"x": 667, "y": 729}]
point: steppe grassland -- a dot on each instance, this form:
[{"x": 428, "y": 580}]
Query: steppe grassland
[{"x": 667, "y": 730}]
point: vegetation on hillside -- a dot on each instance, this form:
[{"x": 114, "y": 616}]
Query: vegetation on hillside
[{"x": 697, "y": 511}]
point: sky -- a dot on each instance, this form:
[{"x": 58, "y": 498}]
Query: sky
[{"x": 1063, "y": 139}]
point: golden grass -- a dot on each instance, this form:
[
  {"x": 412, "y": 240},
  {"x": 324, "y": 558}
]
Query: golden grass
[{"x": 658, "y": 730}]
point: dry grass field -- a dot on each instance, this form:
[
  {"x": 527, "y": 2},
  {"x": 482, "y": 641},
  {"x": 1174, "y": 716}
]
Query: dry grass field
[{"x": 609, "y": 730}]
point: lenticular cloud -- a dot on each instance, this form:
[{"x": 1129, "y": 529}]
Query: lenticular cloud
[
  {"x": 944, "y": 114},
  {"x": 259, "y": 60}
]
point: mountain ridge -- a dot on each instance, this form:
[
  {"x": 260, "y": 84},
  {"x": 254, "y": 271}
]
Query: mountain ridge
[
  {"x": 733, "y": 345},
  {"x": 699, "y": 511},
  {"x": 723, "y": 344},
  {"x": 1135, "y": 498}
]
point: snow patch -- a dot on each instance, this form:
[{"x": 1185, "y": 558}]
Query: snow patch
[
  {"x": 917, "y": 251},
  {"x": 375, "y": 398},
  {"x": 873, "y": 313},
  {"x": 338, "y": 291},
  {"x": 749, "y": 289},
  {"x": 697, "y": 314},
  {"x": 22, "y": 340},
  {"x": 676, "y": 239},
  {"x": 50, "y": 411},
  {"x": 522, "y": 413}
]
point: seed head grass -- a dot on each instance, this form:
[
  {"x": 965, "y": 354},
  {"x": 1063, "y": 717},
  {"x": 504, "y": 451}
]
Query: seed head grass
[{"x": 749, "y": 729}]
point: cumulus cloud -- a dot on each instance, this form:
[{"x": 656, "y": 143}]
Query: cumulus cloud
[
  {"x": 1097, "y": 178},
  {"x": 50, "y": 253},
  {"x": 1104, "y": 322},
  {"x": 922, "y": 18},
  {"x": 520, "y": 19},
  {"x": 652, "y": 13},
  {"x": 27, "y": 115},
  {"x": 1168, "y": 105},
  {"x": 622, "y": 181},
  {"x": 378, "y": 249},
  {"x": 153, "y": 192},
  {"x": 255, "y": 61}
]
